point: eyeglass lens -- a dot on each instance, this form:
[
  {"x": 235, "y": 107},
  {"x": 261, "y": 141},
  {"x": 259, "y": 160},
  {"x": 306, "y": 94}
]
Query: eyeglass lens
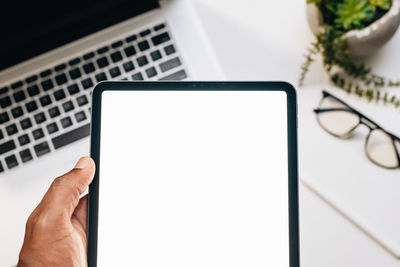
[
  {"x": 339, "y": 122},
  {"x": 381, "y": 150}
]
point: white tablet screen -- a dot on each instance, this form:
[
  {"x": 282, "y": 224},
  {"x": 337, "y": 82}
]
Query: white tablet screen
[{"x": 193, "y": 178}]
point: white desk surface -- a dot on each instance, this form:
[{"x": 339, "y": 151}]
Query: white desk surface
[{"x": 265, "y": 40}]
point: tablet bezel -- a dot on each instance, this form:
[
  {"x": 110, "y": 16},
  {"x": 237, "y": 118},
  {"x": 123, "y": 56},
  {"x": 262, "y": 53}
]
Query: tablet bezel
[{"x": 92, "y": 223}]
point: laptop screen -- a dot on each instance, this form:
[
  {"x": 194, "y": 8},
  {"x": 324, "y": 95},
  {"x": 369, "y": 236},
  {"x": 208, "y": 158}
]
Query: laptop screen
[
  {"x": 30, "y": 28},
  {"x": 193, "y": 178}
]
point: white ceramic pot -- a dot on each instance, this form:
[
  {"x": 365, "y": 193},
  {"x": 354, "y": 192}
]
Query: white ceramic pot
[{"x": 364, "y": 42}]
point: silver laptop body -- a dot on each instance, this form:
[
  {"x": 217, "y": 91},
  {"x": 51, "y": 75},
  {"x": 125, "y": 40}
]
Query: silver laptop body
[{"x": 45, "y": 100}]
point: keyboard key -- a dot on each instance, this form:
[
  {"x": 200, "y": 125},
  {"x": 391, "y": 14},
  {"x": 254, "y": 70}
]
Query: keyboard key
[
  {"x": 47, "y": 85},
  {"x": 4, "y": 90},
  {"x": 24, "y": 139},
  {"x": 52, "y": 128},
  {"x": 116, "y": 44},
  {"x": 31, "y": 106},
  {"x": 130, "y": 51},
  {"x": 155, "y": 55},
  {"x": 82, "y": 100},
  {"x": 116, "y": 56},
  {"x": 137, "y": 76},
  {"x": 41, "y": 149},
  {"x": 33, "y": 90},
  {"x": 37, "y": 134},
  {"x": 59, "y": 94},
  {"x": 17, "y": 85},
  {"x": 73, "y": 89},
  {"x": 144, "y": 33},
  {"x": 143, "y": 45},
  {"x": 80, "y": 116},
  {"x": 61, "y": 79},
  {"x": 67, "y": 106},
  {"x": 179, "y": 75},
  {"x": 5, "y": 102},
  {"x": 45, "y": 100},
  {"x": 170, "y": 64},
  {"x": 4, "y": 117},
  {"x": 40, "y": 117},
  {"x": 131, "y": 38},
  {"x": 71, "y": 136},
  {"x": 25, "y": 155},
  {"x": 101, "y": 77},
  {"x": 88, "y": 55},
  {"x": 151, "y": 72},
  {"x": 45, "y": 73},
  {"x": 74, "y": 61},
  {"x": 159, "y": 27},
  {"x": 11, "y": 161},
  {"x": 114, "y": 72},
  {"x": 169, "y": 49},
  {"x": 128, "y": 66},
  {"x": 66, "y": 122},
  {"x": 7, "y": 146},
  {"x": 1, "y": 135},
  {"x": 25, "y": 123},
  {"x": 89, "y": 68},
  {"x": 102, "y": 50},
  {"x": 142, "y": 61},
  {"x": 102, "y": 62},
  {"x": 87, "y": 83},
  {"x": 161, "y": 38},
  {"x": 17, "y": 112},
  {"x": 31, "y": 79},
  {"x": 60, "y": 67},
  {"x": 1, "y": 167},
  {"x": 11, "y": 129},
  {"x": 19, "y": 96},
  {"x": 75, "y": 73},
  {"x": 54, "y": 112}
]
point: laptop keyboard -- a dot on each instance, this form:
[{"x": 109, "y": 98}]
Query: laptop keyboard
[{"x": 51, "y": 109}]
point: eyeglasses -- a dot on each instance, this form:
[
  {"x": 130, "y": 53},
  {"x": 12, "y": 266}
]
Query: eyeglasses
[{"x": 340, "y": 120}]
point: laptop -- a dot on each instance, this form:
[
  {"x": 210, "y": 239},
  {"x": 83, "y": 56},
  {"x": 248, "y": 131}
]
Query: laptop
[{"x": 52, "y": 54}]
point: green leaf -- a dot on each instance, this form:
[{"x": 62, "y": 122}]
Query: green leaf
[
  {"x": 317, "y": 2},
  {"x": 354, "y": 14},
  {"x": 383, "y": 4}
]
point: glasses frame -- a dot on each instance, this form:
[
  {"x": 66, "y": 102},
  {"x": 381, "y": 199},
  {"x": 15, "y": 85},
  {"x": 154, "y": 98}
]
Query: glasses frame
[{"x": 363, "y": 120}]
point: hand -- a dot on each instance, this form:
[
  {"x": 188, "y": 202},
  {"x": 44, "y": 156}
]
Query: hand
[{"x": 55, "y": 233}]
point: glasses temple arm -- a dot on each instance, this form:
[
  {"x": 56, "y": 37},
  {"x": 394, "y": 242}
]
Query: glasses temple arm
[{"x": 322, "y": 110}]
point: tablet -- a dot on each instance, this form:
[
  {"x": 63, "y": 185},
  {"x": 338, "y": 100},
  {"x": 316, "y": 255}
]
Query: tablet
[{"x": 193, "y": 174}]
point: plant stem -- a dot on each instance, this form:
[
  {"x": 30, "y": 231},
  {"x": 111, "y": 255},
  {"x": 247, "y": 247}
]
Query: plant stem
[
  {"x": 369, "y": 93},
  {"x": 309, "y": 59}
]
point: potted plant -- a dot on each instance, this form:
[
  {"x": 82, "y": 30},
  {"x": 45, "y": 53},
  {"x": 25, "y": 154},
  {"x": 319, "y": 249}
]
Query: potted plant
[{"x": 347, "y": 31}]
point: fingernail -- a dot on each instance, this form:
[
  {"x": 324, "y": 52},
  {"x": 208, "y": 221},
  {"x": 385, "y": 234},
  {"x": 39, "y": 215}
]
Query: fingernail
[{"x": 82, "y": 163}]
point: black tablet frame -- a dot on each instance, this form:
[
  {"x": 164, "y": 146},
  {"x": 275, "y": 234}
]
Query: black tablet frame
[{"x": 294, "y": 247}]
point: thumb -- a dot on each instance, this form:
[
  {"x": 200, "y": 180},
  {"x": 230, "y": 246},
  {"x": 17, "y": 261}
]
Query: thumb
[{"x": 64, "y": 193}]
